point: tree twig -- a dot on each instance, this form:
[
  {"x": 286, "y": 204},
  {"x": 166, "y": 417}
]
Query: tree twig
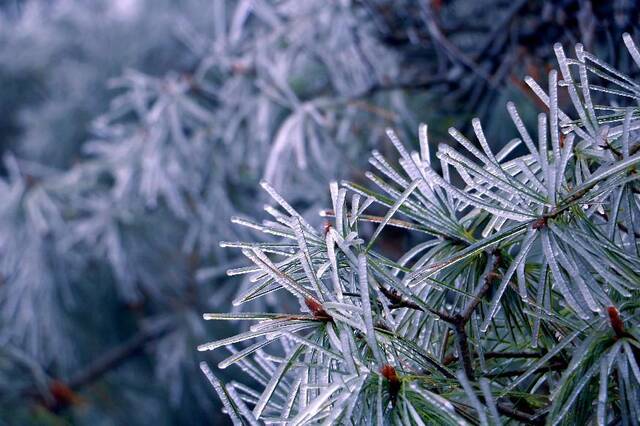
[
  {"x": 63, "y": 391},
  {"x": 118, "y": 355}
]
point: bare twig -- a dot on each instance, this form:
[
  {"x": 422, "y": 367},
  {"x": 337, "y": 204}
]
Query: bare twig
[
  {"x": 118, "y": 355},
  {"x": 63, "y": 391},
  {"x": 556, "y": 366}
]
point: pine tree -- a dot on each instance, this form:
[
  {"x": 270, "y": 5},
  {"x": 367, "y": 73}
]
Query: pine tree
[
  {"x": 516, "y": 302},
  {"x": 132, "y": 130}
]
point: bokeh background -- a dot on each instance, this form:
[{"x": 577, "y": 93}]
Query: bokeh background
[{"x": 131, "y": 131}]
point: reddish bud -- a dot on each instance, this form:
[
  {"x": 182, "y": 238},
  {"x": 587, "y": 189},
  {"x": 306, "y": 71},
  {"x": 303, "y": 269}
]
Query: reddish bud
[
  {"x": 616, "y": 322},
  {"x": 63, "y": 395},
  {"x": 389, "y": 373},
  {"x": 316, "y": 309},
  {"x": 539, "y": 223},
  {"x": 327, "y": 227}
]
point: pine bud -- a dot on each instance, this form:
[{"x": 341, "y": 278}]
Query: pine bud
[
  {"x": 616, "y": 322},
  {"x": 316, "y": 309},
  {"x": 389, "y": 373},
  {"x": 63, "y": 395}
]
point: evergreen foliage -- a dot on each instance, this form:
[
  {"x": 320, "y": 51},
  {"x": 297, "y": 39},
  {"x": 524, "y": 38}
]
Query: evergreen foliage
[
  {"x": 132, "y": 130},
  {"x": 517, "y": 302}
]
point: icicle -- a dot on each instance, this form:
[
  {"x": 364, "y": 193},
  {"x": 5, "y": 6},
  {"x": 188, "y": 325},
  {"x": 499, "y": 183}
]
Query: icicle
[
  {"x": 396, "y": 142},
  {"x": 399, "y": 203},
  {"x": 584, "y": 82},
  {"x": 295, "y": 388},
  {"x": 524, "y": 133},
  {"x": 307, "y": 264},
  {"x": 544, "y": 161},
  {"x": 527, "y": 242},
  {"x": 379, "y": 162},
  {"x": 340, "y": 214},
  {"x": 559, "y": 279},
  {"x": 242, "y": 407},
  {"x": 553, "y": 115},
  {"x": 625, "y": 132},
  {"x": 522, "y": 282},
  {"x": 263, "y": 261},
  {"x": 462, "y": 140},
  {"x": 347, "y": 352},
  {"x": 274, "y": 194},
  {"x": 567, "y": 153},
  {"x": 475, "y": 402},
  {"x": 423, "y": 137},
  {"x": 366, "y": 306},
  {"x": 333, "y": 189},
  {"x": 508, "y": 149},
  {"x": 271, "y": 386},
  {"x": 602, "y": 394},
  {"x": 631, "y": 47},
  {"x": 564, "y": 118},
  {"x": 573, "y": 94},
  {"x": 573, "y": 272},
  {"x": 542, "y": 281},
  {"x": 355, "y": 206},
  {"x": 314, "y": 407},
  {"x": 531, "y": 177},
  {"x": 231, "y": 340},
  {"x": 331, "y": 255},
  {"x": 631, "y": 357},
  {"x": 485, "y": 386},
  {"x": 222, "y": 394}
]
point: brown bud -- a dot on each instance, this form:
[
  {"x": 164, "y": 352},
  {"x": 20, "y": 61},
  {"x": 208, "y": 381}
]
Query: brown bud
[
  {"x": 616, "y": 322},
  {"x": 316, "y": 309},
  {"x": 327, "y": 227},
  {"x": 539, "y": 223},
  {"x": 63, "y": 395},
  {"x": 389, "y": 373}
]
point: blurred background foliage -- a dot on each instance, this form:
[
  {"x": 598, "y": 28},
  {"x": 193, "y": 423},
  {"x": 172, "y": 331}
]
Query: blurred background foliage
[{"x": 132, "y": 130}]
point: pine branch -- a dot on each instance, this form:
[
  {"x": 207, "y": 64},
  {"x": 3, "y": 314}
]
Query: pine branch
[
  {"x": 64, "y": 391},
  {"x": 554, "y": 366},
  {"x": 118, "y": 355},
  {"x": 462, "y": 343},
  {"x": 531, "y": 240}
]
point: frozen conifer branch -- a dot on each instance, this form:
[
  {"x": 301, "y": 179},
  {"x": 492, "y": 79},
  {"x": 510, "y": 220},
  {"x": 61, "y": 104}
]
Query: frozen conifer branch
[
  {"x": 126, "y": 219},
  {"x": 517, "y": 303}
]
